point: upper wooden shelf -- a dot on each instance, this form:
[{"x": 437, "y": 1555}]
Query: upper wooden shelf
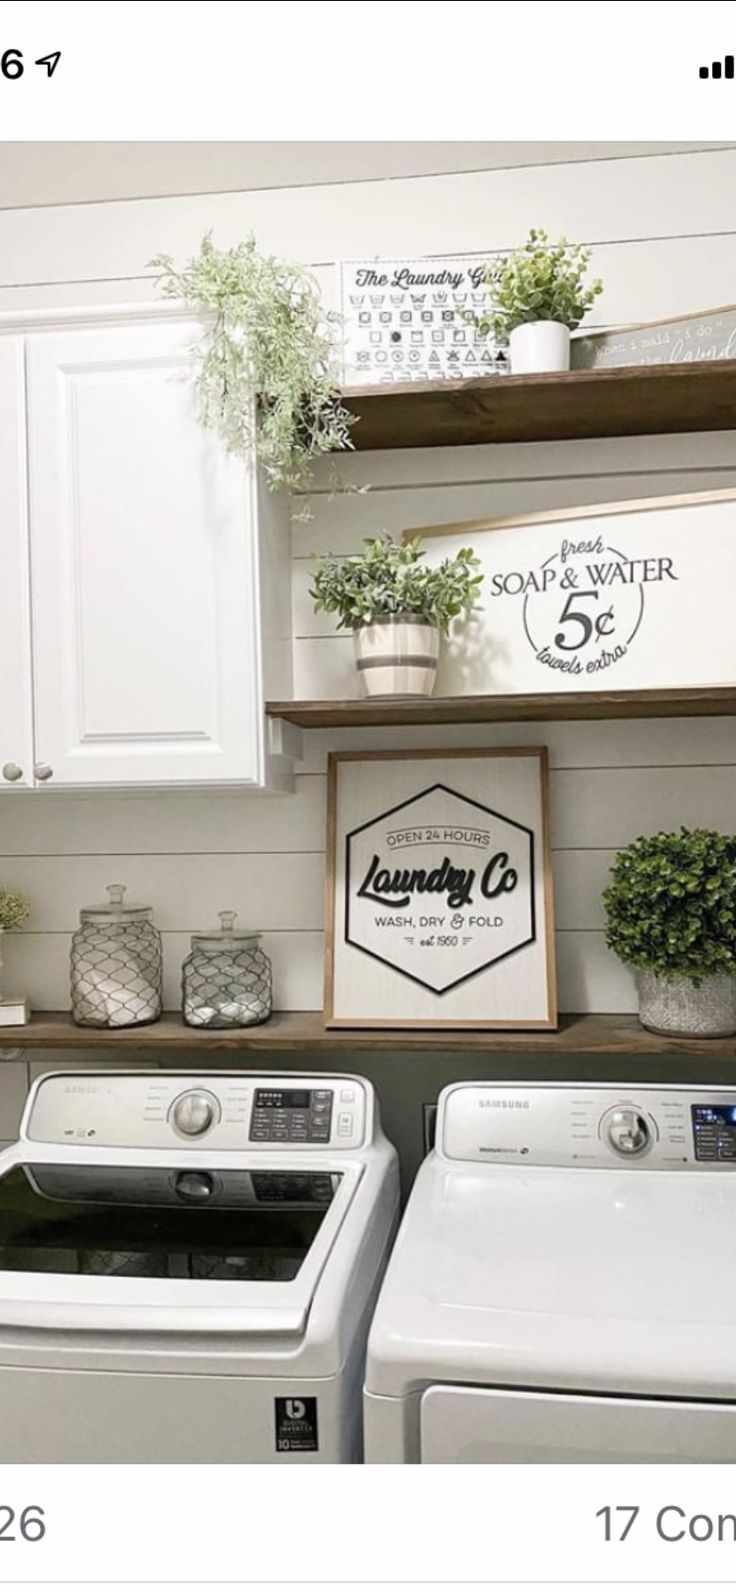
[
  {"x": 638, "y": 400},
  {"x": 369, "y": 712},
  {"x": 305, "y": 1031}
]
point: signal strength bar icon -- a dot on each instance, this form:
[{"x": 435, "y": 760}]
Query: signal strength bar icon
[{"x": 718, "y": 68}]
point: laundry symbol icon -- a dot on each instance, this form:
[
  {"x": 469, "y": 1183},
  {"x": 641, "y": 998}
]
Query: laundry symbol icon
[
  {"x": 357, "y": 298},
  {"x": 453, "y": 357},
  {"x": 448, "y": 315},
  {"x": 405, "y": 315},
  {"x": 364, "y": 317},
  {"x": 460, "y": 298},
  {"x": 377, "y": 298},
  {"x": 427, "y": 315},
  {"x": 459, "y": 336},
  {"x": 439, "y": 298},
  {"x": 479, "y": 298},
  {"x": 414, "y": 355},
  {"x": 375, "y": 337},
  {"x": 398, "y": 299},
  {"x": 418, "y": 299},
  {"x": 417, "y": 337},
  {"x": 363, "y": 356},
  {"x": 470, "y": 358},
  {"x": 396, "y": 337},
  {"x": 434, "y": 357},
  {"x": 385, "y": 316},
  {"x": 438, "y": 337}
]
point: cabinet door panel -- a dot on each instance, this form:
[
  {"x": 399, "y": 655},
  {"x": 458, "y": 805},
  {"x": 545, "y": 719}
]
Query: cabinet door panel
[
  {"x": 143, "y": 536},
  {"x": 16, "y": 740}
]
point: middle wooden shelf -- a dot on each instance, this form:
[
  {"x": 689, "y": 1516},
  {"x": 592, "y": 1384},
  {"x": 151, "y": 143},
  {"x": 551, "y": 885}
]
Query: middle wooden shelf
[{"x": 374, "y": 712}]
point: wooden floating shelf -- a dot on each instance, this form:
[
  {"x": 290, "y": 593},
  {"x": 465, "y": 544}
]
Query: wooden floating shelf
[
  {"x": 304, "y": 1031},
  {"x": 367, "y": 712},
  {"x": 637, "y": 400}
]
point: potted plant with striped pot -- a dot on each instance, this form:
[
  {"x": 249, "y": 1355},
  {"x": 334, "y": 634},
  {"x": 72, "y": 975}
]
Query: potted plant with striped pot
[{"x": 397, "y": 607}]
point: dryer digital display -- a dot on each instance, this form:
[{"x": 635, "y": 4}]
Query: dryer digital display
[{"x": 714, "y": 1132}]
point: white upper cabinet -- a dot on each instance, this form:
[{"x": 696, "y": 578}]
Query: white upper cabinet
[
  {"x": 146, "y": 569},
  {"x": 16, "y": 718}
]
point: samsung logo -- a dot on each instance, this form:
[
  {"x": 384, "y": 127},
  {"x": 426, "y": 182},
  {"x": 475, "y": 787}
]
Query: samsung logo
[{"x": 505, "y": 1105}]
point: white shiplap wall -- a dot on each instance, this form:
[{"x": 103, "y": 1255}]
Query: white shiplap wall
[{"x": 664, "y": 235}]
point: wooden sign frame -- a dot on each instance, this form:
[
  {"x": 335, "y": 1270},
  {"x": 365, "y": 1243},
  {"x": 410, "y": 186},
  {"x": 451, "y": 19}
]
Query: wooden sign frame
[
  {"x": 587, "y": 340},
  {"x": 484, "y": 958}
]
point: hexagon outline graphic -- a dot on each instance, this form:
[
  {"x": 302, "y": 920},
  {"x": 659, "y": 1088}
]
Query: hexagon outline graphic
[{"x": 492, "y": 961}]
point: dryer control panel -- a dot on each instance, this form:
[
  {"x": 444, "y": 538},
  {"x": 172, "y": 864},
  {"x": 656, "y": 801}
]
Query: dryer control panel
[
  {"x": 226, "y": 1111},
  {"x": 594, "y": 1125}
]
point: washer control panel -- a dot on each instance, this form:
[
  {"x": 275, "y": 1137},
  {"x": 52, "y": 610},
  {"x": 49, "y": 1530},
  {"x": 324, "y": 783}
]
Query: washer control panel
[
  {"x": 228, "y": 1111},
  {"x": 292, "y": 1116},
  {"x": 594, "y": 1125},
  {"x": 714, "y": 1131}
]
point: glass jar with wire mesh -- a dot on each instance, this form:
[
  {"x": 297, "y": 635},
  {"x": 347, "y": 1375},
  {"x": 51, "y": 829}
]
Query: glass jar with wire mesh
[
  {"x": 116, "y": 965},
  {"x": 226, "y": 979}
]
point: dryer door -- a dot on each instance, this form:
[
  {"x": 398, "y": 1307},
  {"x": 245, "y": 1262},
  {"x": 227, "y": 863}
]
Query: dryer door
[{"x": 496, "y": 1426}]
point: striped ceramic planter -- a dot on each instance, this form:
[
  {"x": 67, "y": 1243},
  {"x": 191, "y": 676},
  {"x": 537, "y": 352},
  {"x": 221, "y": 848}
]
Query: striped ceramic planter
[{"x": 397, "y": 656}]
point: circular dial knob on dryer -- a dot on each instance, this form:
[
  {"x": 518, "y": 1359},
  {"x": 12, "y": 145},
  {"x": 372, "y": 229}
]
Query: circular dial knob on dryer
[
  {"x": 627, "y": 1131},
  {"x": 194, "y": 1112}
]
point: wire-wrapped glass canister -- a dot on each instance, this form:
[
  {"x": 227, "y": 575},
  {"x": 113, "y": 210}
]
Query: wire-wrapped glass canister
[
  {"x": 226, "y": 979},
  {"x": 116, "y": 965}
]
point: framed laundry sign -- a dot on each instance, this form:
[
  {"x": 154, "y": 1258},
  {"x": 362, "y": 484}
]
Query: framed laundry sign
[
  {"x": 439, "y": 907},
  {"x": 633, "y": 596},
  {"x": 682, "y": 340}
]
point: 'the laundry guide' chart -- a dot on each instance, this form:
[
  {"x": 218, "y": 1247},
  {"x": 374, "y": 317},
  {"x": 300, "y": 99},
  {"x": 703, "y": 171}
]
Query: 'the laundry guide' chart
[{"x": 407, "y": 320}]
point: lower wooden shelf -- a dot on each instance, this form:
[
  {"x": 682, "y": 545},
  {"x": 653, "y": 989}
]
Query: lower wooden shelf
[{"x": 578, "y": 1034}]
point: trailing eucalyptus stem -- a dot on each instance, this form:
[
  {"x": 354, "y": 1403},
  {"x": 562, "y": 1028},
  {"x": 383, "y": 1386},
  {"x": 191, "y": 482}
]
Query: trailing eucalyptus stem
[{"x": 267, "y": 373}]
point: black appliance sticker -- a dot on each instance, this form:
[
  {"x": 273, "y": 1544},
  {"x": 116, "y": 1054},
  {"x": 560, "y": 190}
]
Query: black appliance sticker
[{"x": 296, "y": 1426}]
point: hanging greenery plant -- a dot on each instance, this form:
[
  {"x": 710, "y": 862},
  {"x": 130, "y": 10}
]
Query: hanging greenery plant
[{"x": 267, "y": 371}]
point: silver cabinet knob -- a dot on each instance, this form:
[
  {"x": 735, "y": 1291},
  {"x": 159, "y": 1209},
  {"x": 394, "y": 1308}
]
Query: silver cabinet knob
[
  {"x": 194, "y": 1112},
  {"x": 12, "y": 772},
  {"x": 43, "y": 771}
]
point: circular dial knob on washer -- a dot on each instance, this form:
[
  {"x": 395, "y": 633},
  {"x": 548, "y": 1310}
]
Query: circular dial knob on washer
[
  {"x": 193, "y": 1113},
  {"x": 627, "y": 1131},
  {"x": 195, "y": 1187}
]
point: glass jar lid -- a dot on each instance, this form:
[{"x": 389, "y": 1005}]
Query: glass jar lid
[
  {"x": 227, "y": 934},
  {"x": 116, "y": 910}
]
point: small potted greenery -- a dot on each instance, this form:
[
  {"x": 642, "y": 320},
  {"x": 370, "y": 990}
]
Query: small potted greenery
[
  {"x": 538, "y": 294},
  {"x": 14, "y": 910},
  {"x": 397, "y": 607},
  {"x": 671, "y": 915}
]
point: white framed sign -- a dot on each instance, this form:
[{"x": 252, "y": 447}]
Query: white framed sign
[
  {"x": 634, "y": 595},
  {"x": 439, "y": 911}
]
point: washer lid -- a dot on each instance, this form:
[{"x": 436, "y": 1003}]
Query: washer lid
[
  {"x": 182, "y": 1246},
  {"x": 594, "y": 1280}
]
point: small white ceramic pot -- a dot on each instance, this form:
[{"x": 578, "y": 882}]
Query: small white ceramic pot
[
  {"x": 539, "y": 346},
  {"x": 677, "y": 1006},
  {"x": 397, "y": 656}
]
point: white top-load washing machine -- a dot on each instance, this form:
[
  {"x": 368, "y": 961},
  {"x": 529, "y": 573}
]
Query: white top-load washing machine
[
  {"x": 188, "y": 1267},
  {"x": 563, "y": 1286}
]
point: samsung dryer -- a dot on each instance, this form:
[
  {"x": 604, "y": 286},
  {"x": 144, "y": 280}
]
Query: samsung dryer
[
  {"x": 188, "y": 1267},
  {"x": 562, "y": 1288}
]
